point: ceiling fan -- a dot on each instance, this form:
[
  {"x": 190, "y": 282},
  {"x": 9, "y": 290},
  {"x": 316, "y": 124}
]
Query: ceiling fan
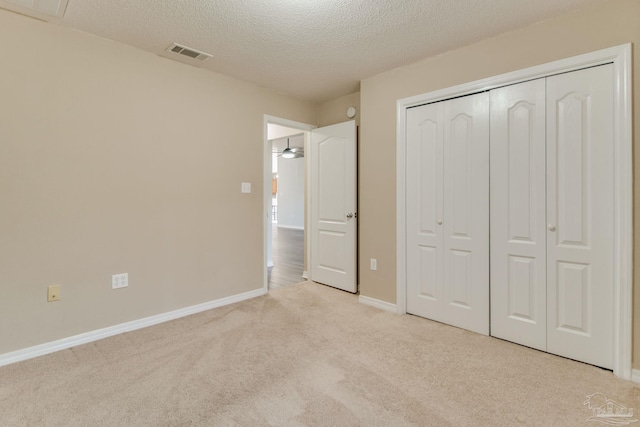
[{"x": 292, "y": 153}]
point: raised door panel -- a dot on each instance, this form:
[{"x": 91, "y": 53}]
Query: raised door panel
[
  {"x": 518, "y": 205},
  {"x": 466, "y": 212},
  {"x": 580, "y": 215},
  {"x": 424, "y": 211},
  {"x": 332, "y": 157}
]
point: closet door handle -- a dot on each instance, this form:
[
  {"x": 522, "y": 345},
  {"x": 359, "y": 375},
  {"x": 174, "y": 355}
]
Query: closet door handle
[
  {"x": 551, "y": 227},
  {"x": 439, "y": 222}
]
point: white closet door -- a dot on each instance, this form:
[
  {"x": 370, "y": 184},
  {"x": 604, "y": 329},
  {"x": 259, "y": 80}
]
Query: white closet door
[
  {"x": 425, "y": 211},
  {"x": 580, "y": 215},
  {"x": 518, "y": 214},
  {"x": 466, "y": 212},
  {"x": 448, "y": 212}
]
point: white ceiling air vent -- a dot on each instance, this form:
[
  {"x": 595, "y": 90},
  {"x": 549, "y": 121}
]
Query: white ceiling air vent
[
  {"x": 37, "y": 8},
  {"x": 187, "y": 51}
]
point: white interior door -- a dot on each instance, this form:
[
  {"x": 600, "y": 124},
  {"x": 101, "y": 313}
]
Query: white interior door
[
  {"x": 518, "y": 214},
  {"x": 333, "y": 206},
  {"x": 580, "y": 230},
  {"x": 448, "y": 212}
]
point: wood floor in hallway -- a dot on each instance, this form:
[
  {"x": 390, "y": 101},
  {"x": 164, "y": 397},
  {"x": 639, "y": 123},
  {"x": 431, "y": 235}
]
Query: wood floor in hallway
[{"x": 288, "y": 257}]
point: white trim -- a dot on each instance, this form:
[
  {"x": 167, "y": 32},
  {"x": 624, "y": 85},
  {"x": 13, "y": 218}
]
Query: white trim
[
  {"x": 87, "y": 337},
  {"x": 635, "y": 376},
  {"x": 401, "y": 203},
  {"x": 267, "y": 176},
  {"x": 307, "y": 203},
  {"x": 620, "y": 57},
  {"x": 266, "y": 192},
  {"x": 623, "y": 214},
  {"x": 383, "y": 305}
]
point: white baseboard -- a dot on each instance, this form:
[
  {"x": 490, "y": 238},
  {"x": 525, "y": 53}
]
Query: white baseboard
[
  {"x": 87, "y": 337},
  {"x": 635, "y": 376},
  {"x": 378, "y": 303},
  {"x": 305, "y": 275}
]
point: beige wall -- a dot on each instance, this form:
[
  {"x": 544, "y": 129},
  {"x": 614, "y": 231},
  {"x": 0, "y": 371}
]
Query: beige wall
[
  {"x": 609, "y": 24},
  {"x": 114, "y": 160},
  {"x": 335, "y": 110}
]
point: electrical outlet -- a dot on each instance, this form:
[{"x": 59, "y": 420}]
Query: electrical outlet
[
  {"x": 120, "y": 280},
  {"x": 53, "y": 293},
  {"x": 374, "y": 264},
  {"x": 245, "y": 187}
]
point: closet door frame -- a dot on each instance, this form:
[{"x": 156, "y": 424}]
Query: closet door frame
[{"x": 620, "y": 57}]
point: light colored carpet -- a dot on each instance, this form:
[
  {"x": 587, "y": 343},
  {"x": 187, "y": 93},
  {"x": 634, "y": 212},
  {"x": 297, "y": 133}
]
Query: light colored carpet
[{"x": 304, "y": 355}]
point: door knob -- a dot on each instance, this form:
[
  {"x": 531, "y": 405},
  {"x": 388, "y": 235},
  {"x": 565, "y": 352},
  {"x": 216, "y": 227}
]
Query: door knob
[
  {"x": 551, "y": 227},
  {"x": 439, "y": 222},
  {"x": 349, "y": 215}
]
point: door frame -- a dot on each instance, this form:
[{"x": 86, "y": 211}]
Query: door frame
[
  {"x": 266, "y": 189},
  {"x": 620, "y": 57}
]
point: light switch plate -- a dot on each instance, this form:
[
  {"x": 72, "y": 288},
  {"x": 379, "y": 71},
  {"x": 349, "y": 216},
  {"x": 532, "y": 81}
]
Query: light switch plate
[
  {"x": 120, "y": 280},
  {"x": 246, "y": 187}
]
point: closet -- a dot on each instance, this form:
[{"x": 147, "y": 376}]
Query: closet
[{"x": 509, "y": 213}]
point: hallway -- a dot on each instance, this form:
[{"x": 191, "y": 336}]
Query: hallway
[{"x": 288, "y": 257}]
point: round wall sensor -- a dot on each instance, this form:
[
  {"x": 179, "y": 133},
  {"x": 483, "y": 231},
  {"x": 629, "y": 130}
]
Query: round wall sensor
[{"x": 351, "y": 112}]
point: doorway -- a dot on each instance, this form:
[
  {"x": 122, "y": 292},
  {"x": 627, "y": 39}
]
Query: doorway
[
  {"x": 282, "y": 245},
  {"x": 287, "y": 207},
  {"x": 330, "y": 245}
]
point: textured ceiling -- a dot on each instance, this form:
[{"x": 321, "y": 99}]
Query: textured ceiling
[{"x": 311, "y": 49}]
